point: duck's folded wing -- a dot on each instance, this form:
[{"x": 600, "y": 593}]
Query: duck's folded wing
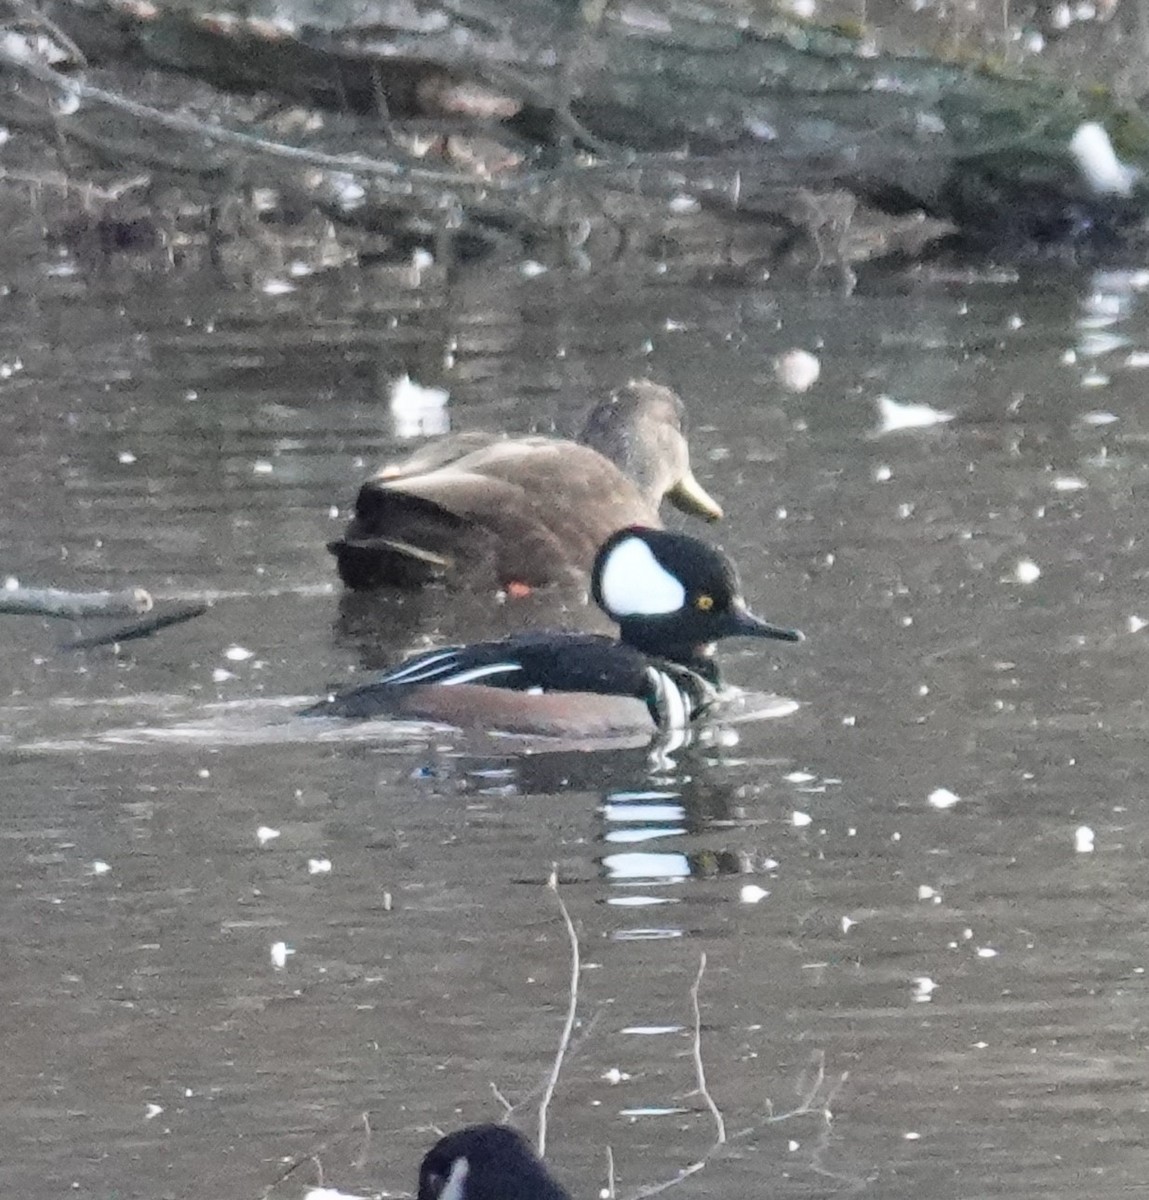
[{"x": 545, "y": 662}]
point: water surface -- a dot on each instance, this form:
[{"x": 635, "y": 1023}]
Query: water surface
[{"x": 231, "y": 954}]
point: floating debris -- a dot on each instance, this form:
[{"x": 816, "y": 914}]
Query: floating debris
[
  {"x": 894, "y": 416},
  {"x": 943, "y": 798},
  {"x": 797, "y": 370},
  {"x": 1027, "y": 571},
  {"x": 280, "y": 952}
]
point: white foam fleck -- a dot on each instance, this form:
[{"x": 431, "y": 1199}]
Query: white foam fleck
[
  {"x": 800, "y": 819},
  {"x": 751, "y": 893},
  {"x": 924, "y": 988},
  {"x": 280, "y": 952},
  {"x": 797, "y": 370},
  {"x": 1083, "y": 839},
  {"x": 943, "y": 798},
  {"x": 266, "y": 834},
  {"x": 893, "y": 415},
  {"x": 1027, "y": 571}
]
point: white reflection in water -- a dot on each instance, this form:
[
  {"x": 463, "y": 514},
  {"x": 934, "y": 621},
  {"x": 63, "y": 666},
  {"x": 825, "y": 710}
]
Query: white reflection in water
[
  {"x": 643, "y": 812},
  {"x": 645, "y": 834},
  {"x": 647, "y": 866},
  {"x": 651, "y": 1112}
]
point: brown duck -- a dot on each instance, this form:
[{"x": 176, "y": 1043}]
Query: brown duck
[{"x": 482, "y": 511}]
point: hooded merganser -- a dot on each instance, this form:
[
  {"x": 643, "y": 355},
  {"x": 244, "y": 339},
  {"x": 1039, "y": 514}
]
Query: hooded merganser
[
  {"x": 486, "y": 1162},
  {"x": 481, "y": 511},
  {"x": 673, "y": 598}
]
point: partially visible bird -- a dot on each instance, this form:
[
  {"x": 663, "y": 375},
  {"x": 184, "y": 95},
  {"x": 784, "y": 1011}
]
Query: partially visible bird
[{"x": 480, "y": 511}]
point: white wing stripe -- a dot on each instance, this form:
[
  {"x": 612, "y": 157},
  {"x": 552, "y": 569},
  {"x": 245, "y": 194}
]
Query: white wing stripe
[
  {"x": 421, "y": 668},
  {"x": 481, "y": 673}
]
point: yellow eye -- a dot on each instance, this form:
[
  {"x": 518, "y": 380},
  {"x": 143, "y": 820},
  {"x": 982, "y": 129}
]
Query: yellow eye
[{"x": 704, "y": 603}]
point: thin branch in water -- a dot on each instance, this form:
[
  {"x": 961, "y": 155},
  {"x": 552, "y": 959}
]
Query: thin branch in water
[
  {"x": 292, "y": 1167},
  {"x": 508, "y": 1107},
  {"x": 703, "y": 1090},
  {"x": 361, "y": 1157},
  {"x": 586, "y": 1028},
  {"x": 657, "y": 1188},
  {"x": 610, "y": 1180},
  {"x": 699, "y": 1066},
  {"x": 572, "y": 1010},
  {"x": 143, "y": 628},
  {"x": 811, "y": 1101}
]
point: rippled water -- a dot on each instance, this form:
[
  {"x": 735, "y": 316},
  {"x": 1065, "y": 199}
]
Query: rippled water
[{"x": 239, "y": 960}]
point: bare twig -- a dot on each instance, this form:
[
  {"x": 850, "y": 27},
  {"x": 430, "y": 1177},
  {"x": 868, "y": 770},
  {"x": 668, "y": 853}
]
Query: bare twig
[
  {"x": 361, "y": 1157},
  {"x": 699, "y": 1067},
  {"x": 508, "y": 1107},
  {"x": 657, "y": 1188},
  {"x": 610, "y": 1181},
  {"x": 55, "y": 602},
  {"x": 138, "y": 629},
  {"x": 312, "y": 1156},
  {"x": 58, "y": 180},
  {"x": 572, "y": 1010},
  {"x": 586, "y": 1028},
  {"x": 180, "y": 123},
  {"x": 702, "y": 1089},
  {"x": 811, "y": 1101},
  {"x": 58, "y": 35}
]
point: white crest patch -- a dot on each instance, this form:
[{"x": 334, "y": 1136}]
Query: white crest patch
[
  {"x": 634, "y": 583},
  {"x": 453, "y": 1188}
]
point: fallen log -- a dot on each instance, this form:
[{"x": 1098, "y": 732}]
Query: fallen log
[{"x": 55, "y": 602}]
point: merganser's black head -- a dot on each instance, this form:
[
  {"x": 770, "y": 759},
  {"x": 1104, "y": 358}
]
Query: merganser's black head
[
  {"x": 674, "y": 596},
  {"x": 485, "y": 1162}
]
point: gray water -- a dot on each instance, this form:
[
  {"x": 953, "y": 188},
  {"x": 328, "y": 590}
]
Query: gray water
[{"x": 241, "y": 960}]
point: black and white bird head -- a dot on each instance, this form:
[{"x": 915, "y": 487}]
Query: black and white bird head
[
  {"x": 485, "y": 1162},
  {"x": 673, "y": 595}
]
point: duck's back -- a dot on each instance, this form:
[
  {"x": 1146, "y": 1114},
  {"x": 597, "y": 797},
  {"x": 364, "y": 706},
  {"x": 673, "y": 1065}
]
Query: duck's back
[{"x": 530, "y": 511}]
